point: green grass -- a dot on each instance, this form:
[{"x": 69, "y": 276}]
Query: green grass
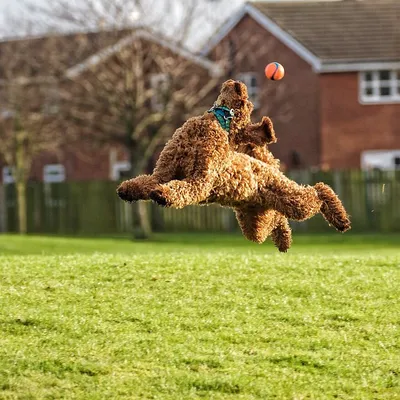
[
  {"x": 190, "y": 317},
  {"x": 188, "y": 243}
]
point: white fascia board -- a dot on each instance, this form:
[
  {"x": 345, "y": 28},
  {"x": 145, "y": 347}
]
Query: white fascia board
[
  {"x": 358, "y": 66},
  {"x": 104, "y": 54}
]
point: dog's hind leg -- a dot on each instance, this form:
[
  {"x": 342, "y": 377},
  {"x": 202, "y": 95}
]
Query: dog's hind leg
[
  {"x": 282, "y": 234},
  {"x": 332, "y": 208},
  {"x": 301, "y": 202},
  {"x": 294, "y": 201},
  {"x": 257, "y": 224}
]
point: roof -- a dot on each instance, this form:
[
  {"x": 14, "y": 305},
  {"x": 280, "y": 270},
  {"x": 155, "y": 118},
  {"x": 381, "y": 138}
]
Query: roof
[
  {"x": 28, "y": 58},
  {"x": 341, "y": 30},
  {"x": 108, "y": 51},
  {"x": 330, "y": 35}
]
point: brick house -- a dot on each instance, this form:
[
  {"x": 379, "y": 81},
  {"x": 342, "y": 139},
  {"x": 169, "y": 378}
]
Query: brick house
[
  {"x": 342, "y": 83},
  {"x": 337, "y": 107},
  {"x": 68, "y": 60}
]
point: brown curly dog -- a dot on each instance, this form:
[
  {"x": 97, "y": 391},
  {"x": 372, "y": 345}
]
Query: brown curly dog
[{"x": 198, "y": 165}]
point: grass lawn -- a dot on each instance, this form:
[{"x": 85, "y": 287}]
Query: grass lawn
[{"x": 194, "y": 316}]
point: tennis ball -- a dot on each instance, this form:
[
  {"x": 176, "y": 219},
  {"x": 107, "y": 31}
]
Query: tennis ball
[{"x": 274, "y": 71}]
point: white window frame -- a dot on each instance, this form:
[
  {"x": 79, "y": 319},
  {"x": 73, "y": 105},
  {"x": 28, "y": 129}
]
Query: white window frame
[
  {"x": 376, "y": 84},
  {"x": 253, "y": 91},
  {"x": 118, "y": 167},
  {"x": 379, "y": 159},
  {"x": 8, "y": 177},
  {"x": 6, "y": 113},
  {"x": 54, "y": 173},
  {"x": 155, "y": 81}
]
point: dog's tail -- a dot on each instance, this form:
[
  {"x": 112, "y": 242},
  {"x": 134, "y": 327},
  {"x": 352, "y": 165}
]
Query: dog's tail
[{"x": 332, "y": 208}]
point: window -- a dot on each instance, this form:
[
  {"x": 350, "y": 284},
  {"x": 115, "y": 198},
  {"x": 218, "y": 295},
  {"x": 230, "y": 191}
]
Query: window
[
  {"x": 250, "y": 80},
  {"x": 120, "y": 170},
  {"x": 159, "y": 85},
  {"x": 8, "y": 175},
  {"x": 53, "y": 173},
  {"x": 397, "y": 162},
  {"x": 387, "y": 160},
  {"x": 6, "y": 114},
  {"x": 380, "y": 86}
]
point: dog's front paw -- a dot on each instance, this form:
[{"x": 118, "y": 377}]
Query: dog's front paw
[
  {"x": 159, "y": 197},
  {"x": 125, "y": 193}
]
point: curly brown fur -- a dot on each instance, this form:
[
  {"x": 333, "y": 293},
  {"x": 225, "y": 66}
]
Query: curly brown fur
[
  {"x": 332, "y": 208},
  {"x": 282, "y": 235},
  {"x": 198, "y": 165},
  {"x": 258, "y": 225}
]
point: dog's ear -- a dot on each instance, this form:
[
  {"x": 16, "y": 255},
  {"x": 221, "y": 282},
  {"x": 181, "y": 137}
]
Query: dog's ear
[
  {"x": 258, "y": 134},
  {"x": 268, "y": 129}
]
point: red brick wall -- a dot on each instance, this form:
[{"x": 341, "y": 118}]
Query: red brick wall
[
  {"x": 83, "y": 164},
  {"x": 86, "y": 164},
  {"x": 348, "y": 127},
  {"x": 89, "y": 159},
  {"x": 298, "y": 91}
]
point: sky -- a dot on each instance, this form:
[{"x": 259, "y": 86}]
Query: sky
[
  {"x": 223, "y": 9},
  {"x": 8, "y": 6},
  {"x": 11, "y": 5}
]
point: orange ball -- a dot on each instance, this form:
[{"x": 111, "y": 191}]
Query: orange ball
[{"x": 274, "y": 71}]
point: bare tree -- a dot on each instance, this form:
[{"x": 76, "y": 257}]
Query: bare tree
[
  {"x": 134, "y": 92},
  {"x": 27, "y": 128}
]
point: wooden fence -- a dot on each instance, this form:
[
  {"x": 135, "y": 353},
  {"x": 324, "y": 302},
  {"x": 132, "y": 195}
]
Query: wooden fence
[{"x": 372, "y": 198}]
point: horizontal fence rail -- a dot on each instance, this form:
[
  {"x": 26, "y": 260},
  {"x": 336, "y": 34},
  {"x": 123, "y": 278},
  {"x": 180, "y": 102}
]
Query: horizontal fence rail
[{"x": 372, "y": 199}]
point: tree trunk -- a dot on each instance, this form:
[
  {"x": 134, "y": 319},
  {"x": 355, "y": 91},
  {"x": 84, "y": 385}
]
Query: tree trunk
[
  {"x": 141, "y": 221},
  {"x": 157, "y": 220},
  {"x": 22, "y": 212},
  {"x": 20, "y": 176},
  {"x": 141, "y": 228},
  {"x": 3, "y": 219}
]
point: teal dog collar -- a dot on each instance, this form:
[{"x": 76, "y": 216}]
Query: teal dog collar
[{"x": 224, "y": 116}]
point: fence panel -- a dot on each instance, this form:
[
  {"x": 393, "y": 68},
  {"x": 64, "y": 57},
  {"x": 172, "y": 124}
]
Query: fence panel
[
  {"x": 3, "y": 212},
  {"x": 372, "y": 199}
]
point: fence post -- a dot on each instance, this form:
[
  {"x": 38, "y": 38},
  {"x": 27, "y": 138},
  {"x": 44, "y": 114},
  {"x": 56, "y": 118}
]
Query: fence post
[
  {"x": 229, "y": 223},
  {"x": 337, "y": 182},
  {"x": 3, "y": 208}
]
